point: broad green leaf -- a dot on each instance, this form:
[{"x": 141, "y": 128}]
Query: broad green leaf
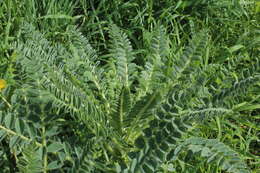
[
  {"x": 54, "y": 165},
  {"x": 235, "y": 48},
  {"x": 123, "y": 106},
  {"x": 31, "y": 130},
  {"x": 13, "y": 141},
  {"x": 54, "y": 147},
  {"x": 9, "y": 120},
  {"x": 206, "y": 152},
  {"x": 19, "y": 126}
]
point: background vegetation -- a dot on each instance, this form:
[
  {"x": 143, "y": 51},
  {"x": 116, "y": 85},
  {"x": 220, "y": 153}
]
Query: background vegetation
[{"x": 129, "y": 86}]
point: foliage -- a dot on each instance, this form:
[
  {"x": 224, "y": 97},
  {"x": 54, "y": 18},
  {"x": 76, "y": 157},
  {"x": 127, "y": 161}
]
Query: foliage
[{"x": 136, "y": 86}]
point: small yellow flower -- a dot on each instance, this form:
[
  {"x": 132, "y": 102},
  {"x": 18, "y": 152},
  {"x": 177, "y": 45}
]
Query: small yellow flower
[{"x": 2, "y": 84}]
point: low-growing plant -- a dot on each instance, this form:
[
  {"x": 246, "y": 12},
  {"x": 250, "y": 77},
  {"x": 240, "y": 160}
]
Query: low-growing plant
[
  {"x": 129, "y": 86},
  {"x": 80, "y": 115}
]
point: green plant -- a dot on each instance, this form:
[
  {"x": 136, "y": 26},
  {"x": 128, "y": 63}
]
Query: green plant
[
  {"x": 115, "y": 117},
  {"x": 162, "y": 93}
]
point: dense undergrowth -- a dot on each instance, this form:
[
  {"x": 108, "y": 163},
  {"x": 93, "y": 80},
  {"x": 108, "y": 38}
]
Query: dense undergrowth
[{"x": 129, "y": 86}]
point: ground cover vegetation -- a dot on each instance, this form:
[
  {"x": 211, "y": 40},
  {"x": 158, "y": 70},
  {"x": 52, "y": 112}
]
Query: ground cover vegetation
[{"x": 129, "y": 86}]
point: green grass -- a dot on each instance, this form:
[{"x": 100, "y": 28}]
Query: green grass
[{"x": 130, "y": 86}]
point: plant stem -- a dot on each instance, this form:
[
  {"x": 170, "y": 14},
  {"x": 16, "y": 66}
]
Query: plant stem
[{"x": 21, "y": 136}]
